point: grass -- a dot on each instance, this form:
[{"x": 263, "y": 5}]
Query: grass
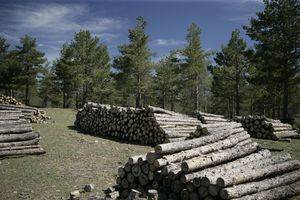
[{"x": 74, "y": 159}]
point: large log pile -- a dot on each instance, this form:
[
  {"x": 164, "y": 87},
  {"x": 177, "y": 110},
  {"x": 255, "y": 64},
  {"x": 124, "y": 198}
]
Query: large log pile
[
  {"x": 208, "y": 118},
  {"x": 17, "y": 136},
  {"x": 223, "y": 165},
  {"x": 32, "y": 114},
  {"x": 262, "y": 127},
  {"x": 9, "y": 100},
  {"x": 148, "y": 125}
]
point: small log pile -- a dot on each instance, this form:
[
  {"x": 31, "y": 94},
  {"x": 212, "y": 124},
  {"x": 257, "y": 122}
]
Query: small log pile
[
  {"x": 223, "y": 165},
  {"x": 32, "y": 114},
  {"x": 266, "y": 128},
  {"x": 17, "y": 136},
  {"x": 9, "y": 100},
  {"x": 208, "y": 118},
  {"x": 149, "y": 125}
]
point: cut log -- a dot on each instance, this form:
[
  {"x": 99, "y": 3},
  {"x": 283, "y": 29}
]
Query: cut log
[
  {"x": 212, "y": 177},
  {"x": 254, "y": 187},
  {"x": 234, "y": 164},
  {"x": 20, "y": 147},
  {"x": 16, "y": 129},
  {"x": 282, "y": 192},
  {"x": 222, "y": 144},
  {"x": 21, "y": 143},
  {"x": 254, "y": 174},
  {"x": 34, "y": 151},
  {"x": 217, "y": 158},
  {"x": 19, "y": 137},
  {"x": 189, "y": 144}
]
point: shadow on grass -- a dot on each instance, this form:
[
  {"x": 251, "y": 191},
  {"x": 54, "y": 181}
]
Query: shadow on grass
[{"x": 74, "y": 128}]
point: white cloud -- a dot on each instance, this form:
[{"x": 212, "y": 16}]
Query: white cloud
[
  {"x": 164, "y": 42},
  {"x": 59, "y": 17}
]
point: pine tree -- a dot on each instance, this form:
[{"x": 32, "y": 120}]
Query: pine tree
[
  {"x": 31, "y": 60},
  {"x": 91, "y": 60},
  {"x": 133, "y": 65},
  {"x": 233, "y": 63},
  {"x": 277, "y": 37},
  {"x": 194, "y": 69},
  {"x": 167, "y": 80}
]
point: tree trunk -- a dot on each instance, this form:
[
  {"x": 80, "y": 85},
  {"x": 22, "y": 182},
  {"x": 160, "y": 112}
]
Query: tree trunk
[
  {"x": 64, "y": 100},
  {"x": 254, "y": 187},
  {"x": 282, "y": 192},
  {"x": 285, "y": 101},
  {"x": 237, "y": 97},
  {"x": 27, "y": 101}
]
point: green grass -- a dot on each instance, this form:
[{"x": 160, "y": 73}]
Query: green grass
[{"x": 74, "y": 159}]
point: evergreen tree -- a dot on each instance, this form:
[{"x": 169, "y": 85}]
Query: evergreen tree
[
  {"x": 194, "y": 69},
  {"x": 31, "y": 60},
  {"x": 91, "y": 63},
  {"x": 277, "y": 37},
  {"x": 233, "y": 66},
  {"x": 133, "y": 65},
  {"x": 167, "y": 81},
  {"x": 65, "y": 74},
  {"x": 48, "y": 89}
]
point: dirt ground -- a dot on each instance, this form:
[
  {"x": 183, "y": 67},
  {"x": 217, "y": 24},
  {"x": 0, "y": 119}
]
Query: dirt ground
[{"x": 74, "y": 159}]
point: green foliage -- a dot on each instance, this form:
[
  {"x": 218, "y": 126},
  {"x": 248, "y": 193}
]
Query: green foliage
[
  {"x": 31, "y": 60},
  {"x": 194, "y": 71},
  {"x": 276, "y": 55},
  {"x": 167, "y": 80},
  {"x": 133, "y": 65},
  {"x": 229, "y": 74},
  {"x": 83, "y": 70}
]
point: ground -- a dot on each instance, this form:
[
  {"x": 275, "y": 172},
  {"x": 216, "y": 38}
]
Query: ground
[{"x": 74, "y": 159}]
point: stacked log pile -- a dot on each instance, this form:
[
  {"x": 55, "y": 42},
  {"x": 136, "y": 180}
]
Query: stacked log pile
[
  {"x": 262, "y": 127},
  {"x": 9, "y": 100},
  {"x": 17, "y": 136},
  {"x": 32, "y": 114},
  {"x": 148, "y": 125},
  {"x": 223, "y": 165},
  {"x": 208, "y": 118}
]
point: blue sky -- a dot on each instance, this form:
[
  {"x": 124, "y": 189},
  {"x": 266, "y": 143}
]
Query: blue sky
[{"x": 53, "y": 23}]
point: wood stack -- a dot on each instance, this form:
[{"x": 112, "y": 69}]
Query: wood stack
[
  {"x": 223, "y": 165},
  {"x": 176, "y": 126},
  {"x": 262, "y": 127},
  {"x": 16, "y": 135},
  {"x": 208, "y": 118},
  {"x": 9, "y": 100},
  {"x": 32, "y": 114},
  {"x": 148, "y": 125}
]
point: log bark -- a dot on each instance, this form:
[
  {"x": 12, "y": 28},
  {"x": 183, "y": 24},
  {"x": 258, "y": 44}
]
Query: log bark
[
  {"x": 21, "y": 143},
  {"x": 20, "y": 147},
  {"x": 212, "y": 177},
  {"x": 19, "y": 137},
  {"x": 34, "y": 151},
  {"x": 257, "y": 186},
  {"x": 234, "y": 164},
  {"x": 222, "y": 144},
  {"x": 282, "y": 192},
  {"x": 254, "y": 174},
  {"x": 15, "y": 129},
  {"x": 217, "y": 158},
  {"x": 189, "y": 144}
]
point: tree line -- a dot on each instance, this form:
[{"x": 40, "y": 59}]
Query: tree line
[{"x": 238, "y": 79}]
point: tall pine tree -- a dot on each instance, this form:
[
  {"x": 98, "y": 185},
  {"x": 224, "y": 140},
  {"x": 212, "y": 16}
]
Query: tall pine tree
[
  {"x": 133, "y": 65},
  {"x": 233, "y": 62},
  {"x": 31, "y": 60},
  {"x": 276, "y": 33},
  {"x": 194, "y": 69}
]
